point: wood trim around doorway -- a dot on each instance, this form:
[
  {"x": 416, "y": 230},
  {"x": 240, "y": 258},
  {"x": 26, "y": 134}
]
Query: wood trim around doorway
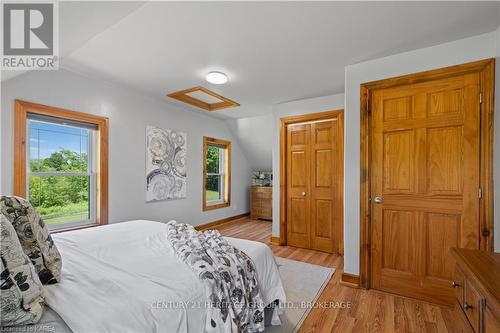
[
  {"x": 313, "y": 117},
  {"x": 486, "y": 68}
]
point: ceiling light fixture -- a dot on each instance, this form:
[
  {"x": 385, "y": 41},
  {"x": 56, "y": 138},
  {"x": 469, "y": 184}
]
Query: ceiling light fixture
[{"x": 216, "y": 77}]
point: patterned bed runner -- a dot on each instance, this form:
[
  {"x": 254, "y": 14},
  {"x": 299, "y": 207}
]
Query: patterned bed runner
[{"x": 229, "y": 277}]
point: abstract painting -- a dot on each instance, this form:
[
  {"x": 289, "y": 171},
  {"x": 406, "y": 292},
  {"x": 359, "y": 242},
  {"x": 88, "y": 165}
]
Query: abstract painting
[{"x": 165, "y": 164}]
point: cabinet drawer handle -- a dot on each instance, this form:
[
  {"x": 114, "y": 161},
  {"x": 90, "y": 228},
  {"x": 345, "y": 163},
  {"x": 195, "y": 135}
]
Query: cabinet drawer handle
[
  {"x": 467, "y": 306},
  {"x": 454, "y": 284}
]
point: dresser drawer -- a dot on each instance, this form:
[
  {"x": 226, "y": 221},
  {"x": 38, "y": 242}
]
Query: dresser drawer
[
  {"x": 262, "y": 196},
  {"x": 458, "y": 284},
  {"x": 472, "y": 305},
  {"x": 262, "y": 193},
  {"x": 475, "y": 278},
  {"x": 491, "y": 323},
  {"x": 266, "y": 204},
  {"x": 262, "y": 189},
  {"x": 256, "y": 203},
  {"x": 261, "y": 202},
  {"x": 262, "y": 213}
]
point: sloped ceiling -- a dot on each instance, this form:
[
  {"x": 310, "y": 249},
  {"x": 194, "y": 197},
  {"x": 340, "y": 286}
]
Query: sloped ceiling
[
  {"x": 273, "y": 52},
  {"x": 80, "y": 21},
  {"x": 255, "y": 135}
]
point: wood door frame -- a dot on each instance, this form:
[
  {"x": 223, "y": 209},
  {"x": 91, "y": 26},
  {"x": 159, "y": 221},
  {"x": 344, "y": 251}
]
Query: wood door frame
[
  {"x": 486, "y": 68},
  {"x": 285, "y": 121}
]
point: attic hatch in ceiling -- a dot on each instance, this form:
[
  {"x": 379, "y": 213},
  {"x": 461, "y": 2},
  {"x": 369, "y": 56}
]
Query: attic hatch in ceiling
[{"x": 203, "y": 98}]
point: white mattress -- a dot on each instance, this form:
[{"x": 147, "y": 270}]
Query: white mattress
[{"x": 124, "y": 277}]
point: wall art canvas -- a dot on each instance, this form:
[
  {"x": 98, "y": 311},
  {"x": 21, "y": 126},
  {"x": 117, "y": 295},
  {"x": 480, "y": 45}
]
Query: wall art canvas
[{"x": 166, "y": 152}]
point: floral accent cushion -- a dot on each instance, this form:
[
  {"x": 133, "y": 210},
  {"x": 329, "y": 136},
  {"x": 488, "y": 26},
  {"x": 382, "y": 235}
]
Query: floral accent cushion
[
  {"x": 34, "y": 237},
  {"x": 20, "y": 288}
]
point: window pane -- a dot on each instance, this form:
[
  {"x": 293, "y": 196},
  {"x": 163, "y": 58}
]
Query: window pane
[
  {"x": 212, "y": 159},
  {"x": 56, "y": 147},
  {"x": 60, "y": 199},
  {"x": 213, "y": 188}
]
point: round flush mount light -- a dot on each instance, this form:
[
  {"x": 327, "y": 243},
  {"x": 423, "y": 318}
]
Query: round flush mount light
[{"x": 216, "y": 77}]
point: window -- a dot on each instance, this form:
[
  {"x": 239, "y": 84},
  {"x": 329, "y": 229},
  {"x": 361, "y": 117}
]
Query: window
[
  {"x": 65, "y": 165},
  {"x": 216, "y": 173}
]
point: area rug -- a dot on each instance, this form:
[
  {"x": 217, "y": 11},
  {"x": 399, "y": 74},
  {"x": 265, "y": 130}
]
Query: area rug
[{"x": 303, "y": 283}]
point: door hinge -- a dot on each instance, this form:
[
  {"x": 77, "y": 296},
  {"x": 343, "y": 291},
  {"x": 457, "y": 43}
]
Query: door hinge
[
  {"x": 480, "y": 193},
  {"x": 481, "y": 98}
]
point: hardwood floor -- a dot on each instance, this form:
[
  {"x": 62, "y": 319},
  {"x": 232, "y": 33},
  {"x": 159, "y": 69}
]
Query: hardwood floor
[{"x": 370, "y": 311}]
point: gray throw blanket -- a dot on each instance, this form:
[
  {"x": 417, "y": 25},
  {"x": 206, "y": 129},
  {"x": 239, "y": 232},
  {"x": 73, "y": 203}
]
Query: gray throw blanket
[{"x": 229, "y": 277}]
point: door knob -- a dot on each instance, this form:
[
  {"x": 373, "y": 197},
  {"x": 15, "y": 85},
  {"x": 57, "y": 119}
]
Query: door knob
[
  {"x": 377, "y": 200},
  {"x": 303, "y": 194}
]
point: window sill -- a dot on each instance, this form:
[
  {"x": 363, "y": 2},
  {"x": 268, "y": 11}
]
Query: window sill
[
  {"x": 207, "y": 206},
  {"x": 78, "y": 227}
]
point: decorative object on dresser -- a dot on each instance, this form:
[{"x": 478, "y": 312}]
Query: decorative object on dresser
[
  {"x": 262, "y": 178},
  {"x": 476, "y": 281},
  {"x": 261, "y": 202}
]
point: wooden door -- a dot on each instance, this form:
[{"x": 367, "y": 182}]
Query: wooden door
[
  {"x": 314, "y": 184},
  {"x": 298, "y": 185},
  {"x": 425, "y": 158},
  {"x": 325, "y": 185}
]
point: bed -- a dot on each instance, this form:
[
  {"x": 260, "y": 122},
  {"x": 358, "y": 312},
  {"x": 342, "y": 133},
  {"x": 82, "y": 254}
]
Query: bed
[{"x": 124, "y": 277}]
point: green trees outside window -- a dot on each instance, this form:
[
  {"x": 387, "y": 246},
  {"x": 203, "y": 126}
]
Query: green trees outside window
[
  {"x": 60, "y": 199},
  {"x": 60, "y": 172}
]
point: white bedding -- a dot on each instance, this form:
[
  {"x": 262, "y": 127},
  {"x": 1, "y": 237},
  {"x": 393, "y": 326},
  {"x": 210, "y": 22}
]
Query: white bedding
[{"x": 124, "y": 277}]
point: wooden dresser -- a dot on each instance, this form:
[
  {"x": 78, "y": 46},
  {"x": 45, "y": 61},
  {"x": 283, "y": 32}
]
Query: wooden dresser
[
  {"x": 261, "y": 202},
  {"x": 476, "y": 280}
]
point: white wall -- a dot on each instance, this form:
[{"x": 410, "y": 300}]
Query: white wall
[
  {"x": 129, "y": 113},
  {"x": 255, "y": 136},
  {"x": 304, "y": 106},
  {"x": 453, "y": 53}
]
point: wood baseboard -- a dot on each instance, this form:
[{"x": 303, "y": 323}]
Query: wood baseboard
[
  {"x": 222, "y": 221},
  {"x": 275, "y": 240},
  {"x": 350, "y": 280}
]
